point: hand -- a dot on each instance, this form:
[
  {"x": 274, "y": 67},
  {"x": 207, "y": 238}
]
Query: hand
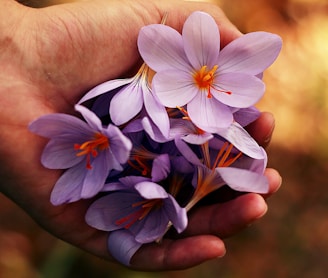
[{"x": 49, "y": 58}]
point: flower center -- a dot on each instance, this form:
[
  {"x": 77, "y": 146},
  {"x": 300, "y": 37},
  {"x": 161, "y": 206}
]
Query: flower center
[
  {"x": 91, "y": 148},
  {"x": 204, "y": 79},
  {"x": 143, "y": 208}
]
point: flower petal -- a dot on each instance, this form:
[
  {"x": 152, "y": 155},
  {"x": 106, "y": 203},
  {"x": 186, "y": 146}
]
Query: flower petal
[
  {"x": 242, "y": 140},
  {"x": 127, "y": 103},
  {"x": 59, "y": 153},
  {"x": 201, "y": 39},
  {"x": 156, "y": 112},
  {"x": 57, "y": 124},
  {"x": 95, "y": 178},
  {"x": 245, "y": 90},
  {"x": 244, "y": 180},
  {"x": 161, "y": 168},
  {"x": 105, "y": 88},
  {"x": 122, "y": 245},
  {"x": 174, "y": 88},
  {"x": 68, "y": 187},
  {"x": 92, "y": 119},
  {"x": 245, "y": 116},
  {"x": 176, "y": 214},
  {"x": 161, "y": 47},
  {"x": 208, "y": 113},
  {"x": 251, "y": 53},
  {"x": 151, "y": 190}
]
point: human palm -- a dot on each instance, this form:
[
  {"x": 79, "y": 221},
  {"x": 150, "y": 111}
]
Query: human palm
[{"x": 49, "y": 58}]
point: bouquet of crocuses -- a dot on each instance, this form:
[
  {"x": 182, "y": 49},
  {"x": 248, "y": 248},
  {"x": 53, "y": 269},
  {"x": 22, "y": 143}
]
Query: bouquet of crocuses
[{"x": 149, "y": 147}]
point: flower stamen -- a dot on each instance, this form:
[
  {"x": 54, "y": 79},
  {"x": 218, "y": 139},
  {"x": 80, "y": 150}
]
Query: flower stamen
[
  {"x": 204, "y": 80},
  {"x": 91, "y": 148}
]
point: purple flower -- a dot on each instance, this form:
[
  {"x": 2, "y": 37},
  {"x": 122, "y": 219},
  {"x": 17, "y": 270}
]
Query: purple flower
[
  {"x": 140, "y": 206},
  {"x": 191, "y": 70},
  {"x": 86, "y": 149},
  {"x": 131, "y": 95}
]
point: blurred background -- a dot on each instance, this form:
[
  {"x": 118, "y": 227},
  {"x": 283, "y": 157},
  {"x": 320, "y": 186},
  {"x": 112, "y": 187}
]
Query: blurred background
[{"x": 292, "y": 239}]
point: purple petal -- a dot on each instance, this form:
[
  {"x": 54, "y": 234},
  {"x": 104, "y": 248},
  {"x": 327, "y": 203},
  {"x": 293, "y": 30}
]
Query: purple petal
[
  {"x": 208, "y": 113},
  {"x": 151, "y": 190},
  {"x": 53, "y": 125},
  {"x": 251, "y": 53},
  {"x": 122, "y": 245},
  {"x": 161, "y": 168},
  {"x": 105, "y": 88},
  {"x": 242, "y": 140},
  {"x": 186, "y": 151},
  {"x": 245, "y": 90},
  {"x": 153, "y": 131},
  {"x": 174, "y": 88},
  {"x": 152, "y": 228},
  {"x": 201, "y": 40},
  {"x": 161, "y": 47},
  {"x": 120, "y": 145},
  {"x": 59, "y": 153},
  {"x": 68, "y": 187},
  {"x": 95, "y": 178},
  {"x": 127, "y": 103},
  {"x": 245, "y": 116},
  {"x": 104, "y": 213},
  {"x": 244, "y": 180},
  {"x": 91, "y": 118},
  {"x": 176, "y": 214},
  {"x": 156, "y": 112}
]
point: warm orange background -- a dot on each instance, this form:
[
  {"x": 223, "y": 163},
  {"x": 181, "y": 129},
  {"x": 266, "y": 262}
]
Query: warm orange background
[{"x": 292, "y": 239}]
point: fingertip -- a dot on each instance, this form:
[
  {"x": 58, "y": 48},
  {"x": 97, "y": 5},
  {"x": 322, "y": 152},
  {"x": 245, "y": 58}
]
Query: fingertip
[{"x": 275, "y": 180}]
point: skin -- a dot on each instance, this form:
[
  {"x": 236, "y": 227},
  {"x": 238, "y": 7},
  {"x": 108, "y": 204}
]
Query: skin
[{"x": 49, "y": 58}]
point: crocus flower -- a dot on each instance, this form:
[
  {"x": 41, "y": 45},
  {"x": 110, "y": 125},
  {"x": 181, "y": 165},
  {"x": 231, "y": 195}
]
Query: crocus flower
[
  {"x": 131, "y": 95},
  {"x": 191, "y": 69},
  {"x": 138, "y": 205},
  {"x": 86, "y": 149}
]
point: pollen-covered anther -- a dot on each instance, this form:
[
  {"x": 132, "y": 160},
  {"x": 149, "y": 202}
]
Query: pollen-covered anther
[
  {"x": 91, "y": 148},
  {"x": 204, "y": 79}
]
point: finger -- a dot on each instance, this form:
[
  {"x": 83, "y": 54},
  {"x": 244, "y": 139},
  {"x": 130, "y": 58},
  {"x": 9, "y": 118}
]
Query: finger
[
  {"x": 225, "y": 219},
  {"x": 228, "y": 218},
  {"x": 262, "y": 128},
  {"x": 178, "y": 254}
]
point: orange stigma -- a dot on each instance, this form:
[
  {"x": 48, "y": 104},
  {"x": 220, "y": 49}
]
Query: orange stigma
[
  {"x": 91, "y": 148},
  {"x": 145, "y": 207},
  {"x": 204, "y": 80}
]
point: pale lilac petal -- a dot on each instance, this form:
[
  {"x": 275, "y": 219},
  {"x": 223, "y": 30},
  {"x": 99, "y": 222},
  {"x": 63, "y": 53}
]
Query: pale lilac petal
[
  {"x": 152, "y": 228},
  {"x": 151, "y": 190},
  {"x": 91, "y": 118},
  {"x": 53, "y": 125},
  {"x": 186, "y": 151},
  {"x": 127, "y": 103},
  {"x": 113, "y": 162},
  {"x": 208, "y": 113},
  {"x": 95, "y": 177},
  {"x": 60, "y": 154},
  {"x": 245, "y": 116},
  {"x": 242, "y": 140},
  {"x": 156, "y": 112},
  {"x": 68, "y": 187},
  {"x": 161, "y": 47},
  {"x": 105, "y": 88},
  {"x": 244, "y": 180},
  {"x": 201, "y": 40},
  {"x": 245, "y": 90},
  {"x": 161, "y": 167},
  {"x": 120, "y": 145},
  {"x": 197, "y": 139},
  {"x": 174, "y": 88},
  {"x": 177, "y": 215},
  {"x": 153, "y": 131},
  {"x": 105, "y": 211},
  {"x": 122, "y": 245},
  {"x": 251, "y": 53}
]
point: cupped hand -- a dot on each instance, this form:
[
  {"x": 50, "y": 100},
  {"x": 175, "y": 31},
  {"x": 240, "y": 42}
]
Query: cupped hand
[{"x": 49, "y": 58}]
